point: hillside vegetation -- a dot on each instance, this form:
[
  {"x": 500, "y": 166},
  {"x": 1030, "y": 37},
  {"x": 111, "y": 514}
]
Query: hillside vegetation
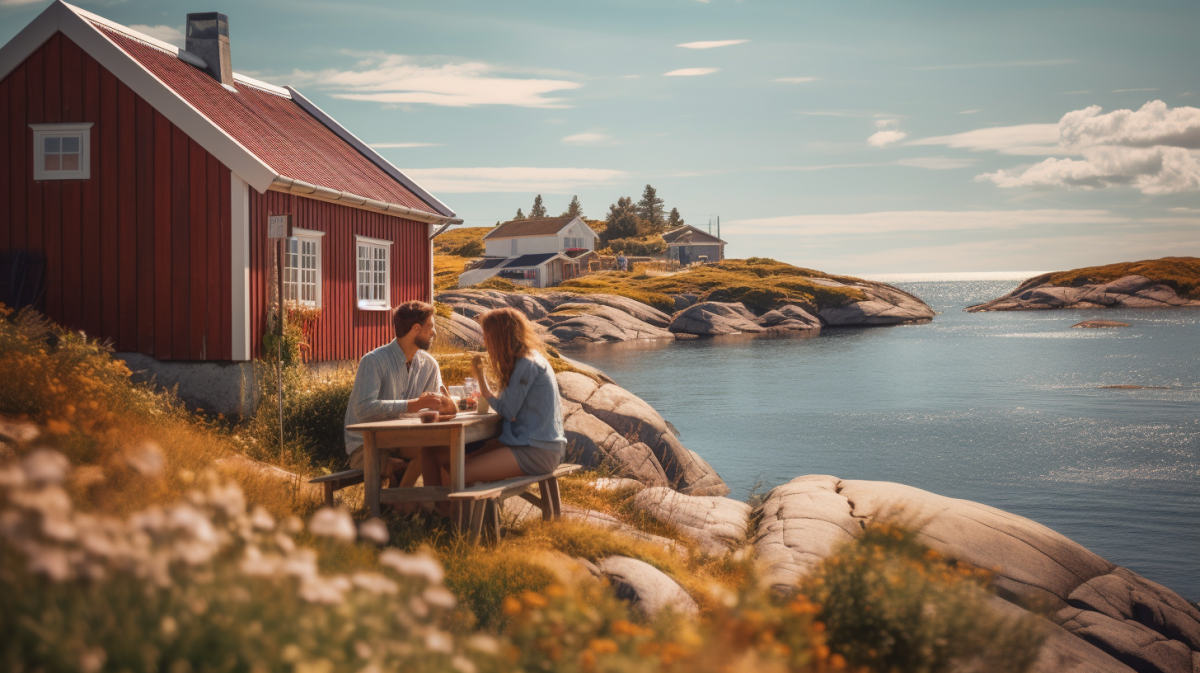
[
  {"x": 1181, "y": 274},
  {"x": 136, "y": 538}
]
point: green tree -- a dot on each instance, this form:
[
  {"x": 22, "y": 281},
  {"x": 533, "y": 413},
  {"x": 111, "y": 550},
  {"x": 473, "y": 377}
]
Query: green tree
[
  {"x": 650, "y": 208},
  {"x": 520, "y": 215},
  {"x": 538, "y": 210},
  {"x": 573, "y": 209},
  {"x": 674, "y": 220},
  {"x": 622, "y": 220}
]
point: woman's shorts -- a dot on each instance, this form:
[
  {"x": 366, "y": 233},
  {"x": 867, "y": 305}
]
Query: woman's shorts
[{"x": 534, "y": 460}]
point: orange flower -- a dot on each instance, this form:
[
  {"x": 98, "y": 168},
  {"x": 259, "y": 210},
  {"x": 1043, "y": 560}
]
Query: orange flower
[{"x": 511, "y": 606}]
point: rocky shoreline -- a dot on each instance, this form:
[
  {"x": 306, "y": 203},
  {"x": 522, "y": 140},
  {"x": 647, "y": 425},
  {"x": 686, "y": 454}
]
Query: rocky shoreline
[
  {"x": 568, "y": 318},
  {"x": 1131, "y": 291}
]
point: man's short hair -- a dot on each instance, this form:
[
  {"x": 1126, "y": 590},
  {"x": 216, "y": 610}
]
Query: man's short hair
[{"x": 408, "y": 314}]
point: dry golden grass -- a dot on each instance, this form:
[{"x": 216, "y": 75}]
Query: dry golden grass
[{"x": 1181, "y": 274}]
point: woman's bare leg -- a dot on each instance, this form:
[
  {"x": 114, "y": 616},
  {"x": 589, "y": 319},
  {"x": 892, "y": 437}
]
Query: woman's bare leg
[
  {"x": 431, "y": 465},
  {"x": 495, "y": 464}
]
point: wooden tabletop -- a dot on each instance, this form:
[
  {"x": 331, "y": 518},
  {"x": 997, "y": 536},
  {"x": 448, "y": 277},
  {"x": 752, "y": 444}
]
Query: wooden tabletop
[{"x": 467, "y": 418}]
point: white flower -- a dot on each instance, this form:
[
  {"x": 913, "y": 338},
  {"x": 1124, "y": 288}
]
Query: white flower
[
  {"x": 439, "y": 641},
  {"x": 18, "y": 431},
  {"x": 92, "y": 660},
  {"x": 285, "y": 543},
  {"x": 484, "y": 643},
  {"x": 462, "y": 664},
  {"x": 192, "y": 521},
  {"x": 362, "y": 649},
  {"x": 147, "y": 458},
  {"x": 416, "y": 565},
  {"x": 302, "y": 564},
  {"x": 52, "y": 562},
  {"x": 334, "y": 523},
  {"x": 330, "y": 591},
  {"x": 439, "y": 596},
  {"x": 256, "y": 564},
  {"x": 46, "y": 467},
  {"x": 50, "y": 501},
  {"x": 374, "y": 530},
  {"x": 228, "y": 498},
  {"x": 262, "y": 519},
  {"x": 12, "y": 476},
  {"x": 375, "y": 583}
]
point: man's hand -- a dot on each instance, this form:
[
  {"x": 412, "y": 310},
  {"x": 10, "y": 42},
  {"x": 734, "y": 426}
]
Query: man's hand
[{"x": 425, "y": 401}]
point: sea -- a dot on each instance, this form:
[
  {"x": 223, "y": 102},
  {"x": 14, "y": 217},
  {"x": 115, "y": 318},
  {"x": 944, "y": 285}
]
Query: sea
[{"x": 1011, "y": 409}]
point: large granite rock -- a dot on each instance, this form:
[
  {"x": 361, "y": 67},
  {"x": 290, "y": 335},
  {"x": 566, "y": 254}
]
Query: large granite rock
[
  {"x": 1127, "y": 617},
  {"x": 711, "y": 318},
  {"x": 591, "y": 323},
  {"x": 460, "y": 332},
  {"x": 789, "y": 318},
  {"x": 717, "y": 524},
  {"x": 643, "y": 312},
  {"x": 471, "y": 303},
  {"x": 1126, "y": 292},
  {"x": 884, "y": 305},
  {"x": 634, "y": 423},
  {"x": 647, "y": 588}
]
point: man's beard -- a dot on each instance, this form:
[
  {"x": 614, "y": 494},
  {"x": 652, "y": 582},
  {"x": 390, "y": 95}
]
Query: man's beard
[{"x": 423, "y": 344}]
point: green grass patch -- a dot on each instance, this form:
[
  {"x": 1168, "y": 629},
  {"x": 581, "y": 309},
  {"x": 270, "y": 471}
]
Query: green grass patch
[{"x": 1181, "y": 274}]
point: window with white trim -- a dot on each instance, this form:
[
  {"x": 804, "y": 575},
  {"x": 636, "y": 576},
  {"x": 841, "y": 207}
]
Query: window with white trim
[
  {"x": 62, "y": 151},
  {"x": 302, "y": 267},
  {"x": 374, "y": 273}
]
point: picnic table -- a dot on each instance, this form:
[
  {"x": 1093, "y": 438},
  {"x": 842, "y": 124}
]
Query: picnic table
[{"x": 404, "y": 437}]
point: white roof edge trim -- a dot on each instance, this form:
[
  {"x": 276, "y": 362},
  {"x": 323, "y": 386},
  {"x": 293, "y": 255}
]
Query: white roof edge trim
[
  {"x": 560, "y": 230},
  {"x": 259, "y": 84},
  {"x": 76, "y": 25},
  {"x": 373, "y": 156}
]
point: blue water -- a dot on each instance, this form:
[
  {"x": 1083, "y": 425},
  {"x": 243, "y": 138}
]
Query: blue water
[{"x": 1001, "y": 408}]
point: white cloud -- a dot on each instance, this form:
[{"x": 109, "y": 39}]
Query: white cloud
[
  {"x": 1025, "y": 139},
  {"x": 797, "y": 80},
  {"x": 935, "y": 163},
  {"x": 161, "y": 32},
  {"x": 1152, "y": 149},
  {"x": 690, "y": 72},
  {"x": 1129, "y": 90},
  {"x": 588, "y": 138},
  {"x": 388, "y": 146},
  {"x": 888, "y": 133},
  {"x": 711, "y": 44},
  {"x": 396, "y": 78},
  {"x": 919, "y": 220},
  {"x": 1002, "y": 64},
  {"x": 969, "y": 112},
  {"x": 17, "y": 3},
  {"x": 512, "y": 179}
]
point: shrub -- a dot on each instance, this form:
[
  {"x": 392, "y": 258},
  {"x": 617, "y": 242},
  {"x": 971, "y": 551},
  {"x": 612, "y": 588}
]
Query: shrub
[
  {"x": 646, "y": 246},
  {"x": 892, "y": 604}
]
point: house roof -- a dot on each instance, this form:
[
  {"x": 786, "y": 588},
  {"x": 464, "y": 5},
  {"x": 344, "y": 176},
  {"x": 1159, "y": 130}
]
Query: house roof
[
  {"x": 269, "y": 136},
  {"x": 689, "y": 235},
  {"x": 530, "y": 261},
  {"x": 543, "y": 226}
]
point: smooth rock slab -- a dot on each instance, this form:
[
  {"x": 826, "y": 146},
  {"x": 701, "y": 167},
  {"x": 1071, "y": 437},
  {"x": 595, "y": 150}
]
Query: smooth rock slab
[
  {"x": 593, "y": 323},
  {"x": 1131, "y": 291},
  {"x": 717, "y": 524},
  {"x": 710, "y": 318},
  {"x": 647, "y": 588}
]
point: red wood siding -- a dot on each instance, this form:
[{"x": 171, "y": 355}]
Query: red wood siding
[
  {"x": 343, "y": 332},
  {"x": 138, "y": 253}
]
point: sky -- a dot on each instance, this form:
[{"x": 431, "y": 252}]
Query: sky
[{"x": 852, "y": 137}]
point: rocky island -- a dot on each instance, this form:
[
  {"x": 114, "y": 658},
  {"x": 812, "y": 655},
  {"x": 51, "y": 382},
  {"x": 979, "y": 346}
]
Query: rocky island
[{"x": 1158, "y": 283}]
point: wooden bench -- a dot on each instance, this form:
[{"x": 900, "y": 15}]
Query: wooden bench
[
  {"x": 482, "y": 502},
  {"x": 337, "y": 481}
]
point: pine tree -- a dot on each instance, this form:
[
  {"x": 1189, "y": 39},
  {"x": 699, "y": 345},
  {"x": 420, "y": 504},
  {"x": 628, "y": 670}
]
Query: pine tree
[
  {"x": 538, "y": 210},
  {"x": 520, "y": 215},
  {"x": 675, "y": 220},
  {"x": 650, "y": 208},
  {"x": 574, "y": 209},
  {"x": 622, "y": 220}
]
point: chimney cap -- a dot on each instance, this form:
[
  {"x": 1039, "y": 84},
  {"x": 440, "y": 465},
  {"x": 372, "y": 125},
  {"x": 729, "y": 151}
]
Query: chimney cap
[{"x": 207, "y": 26}]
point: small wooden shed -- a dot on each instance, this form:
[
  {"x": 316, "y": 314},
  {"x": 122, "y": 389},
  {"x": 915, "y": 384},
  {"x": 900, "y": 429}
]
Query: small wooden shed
[{"x": 688, "y": 244}]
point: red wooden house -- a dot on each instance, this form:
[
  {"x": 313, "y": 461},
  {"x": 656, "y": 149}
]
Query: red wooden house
[{"x": 144, "y": 175}]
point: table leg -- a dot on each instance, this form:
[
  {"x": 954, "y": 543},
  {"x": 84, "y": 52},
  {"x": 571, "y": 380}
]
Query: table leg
[
  {"x": 371, "y": 473},
  {"x": 458, "y": 456}
]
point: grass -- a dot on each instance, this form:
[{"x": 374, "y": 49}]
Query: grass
[
  {"x": 128, "y": 546},
  {"x": 1181, "y": 274}
]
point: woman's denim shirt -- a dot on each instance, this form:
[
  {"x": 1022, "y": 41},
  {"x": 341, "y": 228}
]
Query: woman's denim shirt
[{"x": 530, "y": 406}]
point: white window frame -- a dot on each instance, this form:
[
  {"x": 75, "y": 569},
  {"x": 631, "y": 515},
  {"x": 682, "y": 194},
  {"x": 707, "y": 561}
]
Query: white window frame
[
  {"x": 43, "y": 131},
  {"x": 302, "y": 236},
  {"x": 372, "y": 244}
]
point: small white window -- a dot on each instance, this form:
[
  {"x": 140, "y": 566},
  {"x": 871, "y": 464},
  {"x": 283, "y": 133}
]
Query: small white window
[
  {"x": 374, "y": 273},
  {"x": 61, "y": 151},
  {"x": 302, "y": 267}
]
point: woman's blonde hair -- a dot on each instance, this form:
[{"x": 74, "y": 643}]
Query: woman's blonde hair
[{"x": 508, "y": 337}]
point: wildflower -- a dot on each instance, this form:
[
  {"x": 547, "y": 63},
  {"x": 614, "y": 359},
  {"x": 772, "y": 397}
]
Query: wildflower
[
  {"x": 254, "y": 563},
  {"x": 262, "y": 519},
  {"x": 416, "y": 565},
  {"x": 285, "y": 543},
  {"x": 362, "y": 649},
  {"x": 49, "y": 502},
  {"x": 439, "y": 597},
  {"x": 374, "y": 530},
  {"x": 46, "y": 467},
  {"x": 11, "y": 476},
  {"x": 334, "y": 523},
  {"x": 462, "y": 664},
  {"x": 146, "y": 458},
  {"x": 418, "y": 607},
  {"x": 327, "y": 590},
  {"x": 439, "y": 641},
  {"x": 302, "y": 564},
  {"x": 168, "y": 627},
  {"x": 603, "y": 645},
  {"x": 484, "y": 643},
  {"x": 511, "y": 606},
  {"x": 50, "y": 561},
  {"x": 18, "y": 431},
  {"x": 92, "y": 660},
  {"x": 375, "y": 583},
  {"x": 228, "y": 498}
]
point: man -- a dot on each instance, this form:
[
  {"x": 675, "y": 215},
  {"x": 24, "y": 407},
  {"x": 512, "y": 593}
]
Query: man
[{"x": 398, "y": 378}]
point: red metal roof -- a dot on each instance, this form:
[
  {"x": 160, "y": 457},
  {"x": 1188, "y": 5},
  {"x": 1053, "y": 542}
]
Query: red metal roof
[{"x": 274, "y": 128}]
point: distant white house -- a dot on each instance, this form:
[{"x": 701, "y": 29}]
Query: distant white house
[
  {"x": 532, "y": 237},
  {"x": 535, "y": 253}
]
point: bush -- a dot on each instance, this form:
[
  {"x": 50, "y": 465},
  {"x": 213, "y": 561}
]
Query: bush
[
  {"x": 892, "y": 604},
  {"x": 647, "y": 246}
]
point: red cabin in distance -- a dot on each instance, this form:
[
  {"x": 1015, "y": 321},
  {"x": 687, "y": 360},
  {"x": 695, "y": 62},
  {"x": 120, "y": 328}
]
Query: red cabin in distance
[{"x": 144, "y": 174}]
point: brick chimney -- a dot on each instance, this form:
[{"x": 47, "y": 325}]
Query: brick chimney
[{"x": 208, "y": 38}]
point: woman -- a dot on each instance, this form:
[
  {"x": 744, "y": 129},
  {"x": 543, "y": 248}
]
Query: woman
[{"x": 531, "y": 439}]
